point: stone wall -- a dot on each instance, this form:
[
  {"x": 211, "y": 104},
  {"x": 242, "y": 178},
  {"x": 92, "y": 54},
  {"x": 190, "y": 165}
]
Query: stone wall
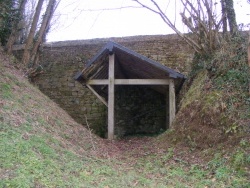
[{"x": 62, "y": 60}]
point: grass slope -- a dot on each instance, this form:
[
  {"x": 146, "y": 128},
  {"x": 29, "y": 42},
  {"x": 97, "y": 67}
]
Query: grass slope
[
  {"x": 39, "y": 143},
  {"x": 215, "y": 109},
  {"x": 41, "y": 146},
  {"x": 213, "y": 119}
]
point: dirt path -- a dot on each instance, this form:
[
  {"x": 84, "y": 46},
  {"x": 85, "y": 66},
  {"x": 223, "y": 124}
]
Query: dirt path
[{"x": 130, "y": 147}]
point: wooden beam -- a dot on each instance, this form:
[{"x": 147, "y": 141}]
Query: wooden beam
[
  {"x": 171, "y": 102},
  {"x": 98, "y": 82},
  {"x": 97, "y": 95},
  {"x": 130, "y": 82},
  {"x": 142, "y": 81},
  {"x": 97, "y": 72},
  {"x": 111, "y": 97},
  {"x": 111, "y": 82}
]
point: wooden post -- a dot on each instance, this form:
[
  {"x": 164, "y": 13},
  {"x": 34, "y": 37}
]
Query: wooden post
[
  {"x": 171, "y": 102},
  {"x": 111, "y": 97},
  {"x": 97, "y": 95},
  {"x": 167, "y": 111}
]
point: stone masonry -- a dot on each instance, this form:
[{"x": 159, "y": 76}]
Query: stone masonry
[{"x": 62, "y": 60}]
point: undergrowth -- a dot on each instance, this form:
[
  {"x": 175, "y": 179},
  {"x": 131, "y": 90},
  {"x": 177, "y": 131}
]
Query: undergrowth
[
  {"x": 229, "y": 74},
  {"x": 219, "y": 88},
  {"x": 214, "y": 114}
]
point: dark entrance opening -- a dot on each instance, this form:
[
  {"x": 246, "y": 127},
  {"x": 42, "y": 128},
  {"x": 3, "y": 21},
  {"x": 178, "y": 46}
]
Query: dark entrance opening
[{"x": 139, "y": 110}]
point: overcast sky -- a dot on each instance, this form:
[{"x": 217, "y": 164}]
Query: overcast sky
[{"x": 76, "y": 20}]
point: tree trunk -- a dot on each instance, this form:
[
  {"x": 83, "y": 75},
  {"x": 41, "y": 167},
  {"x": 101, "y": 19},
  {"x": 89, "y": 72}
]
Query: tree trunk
[
  {"x": 231, "y": 17},
  {"x": 16, "y": 26},
  {"x": 42, "y": 31},
  {"x": 56, "y": 3},
  {"x": 29, "y": 42}
]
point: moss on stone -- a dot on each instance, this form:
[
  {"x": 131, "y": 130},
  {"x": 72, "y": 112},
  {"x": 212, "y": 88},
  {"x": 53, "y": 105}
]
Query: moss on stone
[{"x": 195, "y": 91}]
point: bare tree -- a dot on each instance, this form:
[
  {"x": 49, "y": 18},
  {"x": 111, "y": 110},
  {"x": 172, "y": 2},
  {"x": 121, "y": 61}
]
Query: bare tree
[
  {"x": 37, "y": 35},
  {"x": 195, "y": 19},
  {"x": 201, "y": 19},
  {"x": 30, "y": 10},
  {"x": 43, "y": 29},
  {"x": 156, "y": 9},
  {"x": 29, "y": 42}
]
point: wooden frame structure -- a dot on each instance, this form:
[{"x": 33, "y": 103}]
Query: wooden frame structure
[{"x": 102, "y": 71}]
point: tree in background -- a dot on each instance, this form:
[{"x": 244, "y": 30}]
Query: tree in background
[
  {"x": 223, "y": 54},
  {"x": 201, "y": 18},
  {"x": 30, "y": 10},
  {"x": 44, "y": 29},
  {"x": 21, "y": 22},
  {"x": 31, "y": 36},
  {"x": 38, "y": 34}
]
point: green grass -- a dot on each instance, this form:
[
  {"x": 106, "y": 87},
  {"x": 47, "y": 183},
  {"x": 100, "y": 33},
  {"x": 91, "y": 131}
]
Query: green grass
[{"x": 6, "y": 91}]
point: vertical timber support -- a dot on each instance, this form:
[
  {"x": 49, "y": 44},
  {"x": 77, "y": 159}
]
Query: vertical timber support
[
  {"x": 171, "y": 102},
  {"x": 167, "y": 111},
  {"x": 111, "y": 97}
]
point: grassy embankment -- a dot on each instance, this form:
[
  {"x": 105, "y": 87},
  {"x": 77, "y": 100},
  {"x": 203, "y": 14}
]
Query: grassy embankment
[{"x": 41, "y": 146}]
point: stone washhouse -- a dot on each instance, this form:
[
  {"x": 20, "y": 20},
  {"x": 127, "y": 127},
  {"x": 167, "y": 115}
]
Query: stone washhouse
[{"x": 132, "y": 86}]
